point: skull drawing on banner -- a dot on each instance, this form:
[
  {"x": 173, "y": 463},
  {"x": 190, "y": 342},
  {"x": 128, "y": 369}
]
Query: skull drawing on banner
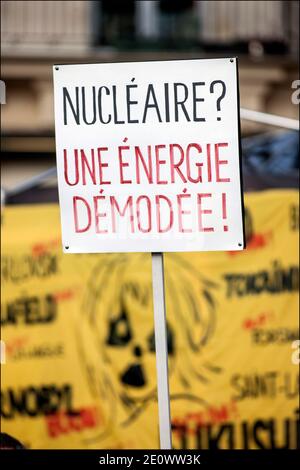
[
  {"x": 123, "y": 333},
  {"x": 117, "y": 316}
]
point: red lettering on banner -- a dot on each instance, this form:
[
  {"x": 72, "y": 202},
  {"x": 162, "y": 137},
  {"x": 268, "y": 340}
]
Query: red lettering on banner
[
  {"x": 257, "y": 241},
  {"x": 64, "y": 295},
  {"x": 40, "y": 249},
  {"x": 64, "y": 423},
  {"x": 260, "y": 320},
  {"x": 211, "y": 415}
]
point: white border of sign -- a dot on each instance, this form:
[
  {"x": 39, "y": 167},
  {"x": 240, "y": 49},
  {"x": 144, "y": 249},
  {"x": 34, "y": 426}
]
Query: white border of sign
[{"x": 165, "y": 242}]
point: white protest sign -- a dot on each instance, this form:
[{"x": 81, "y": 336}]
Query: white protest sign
[{"x": 148, "y": 156}]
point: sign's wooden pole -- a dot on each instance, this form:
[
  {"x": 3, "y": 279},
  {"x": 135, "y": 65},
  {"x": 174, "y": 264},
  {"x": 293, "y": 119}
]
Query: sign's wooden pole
[{"x": 161, "y": 349}]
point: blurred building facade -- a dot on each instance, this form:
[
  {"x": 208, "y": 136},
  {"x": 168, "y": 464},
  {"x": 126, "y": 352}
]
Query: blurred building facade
[{"x": 37, "y": 34}]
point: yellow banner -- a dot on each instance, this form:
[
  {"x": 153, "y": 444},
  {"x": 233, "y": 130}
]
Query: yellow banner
[{"x": 79, "y": 349}]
